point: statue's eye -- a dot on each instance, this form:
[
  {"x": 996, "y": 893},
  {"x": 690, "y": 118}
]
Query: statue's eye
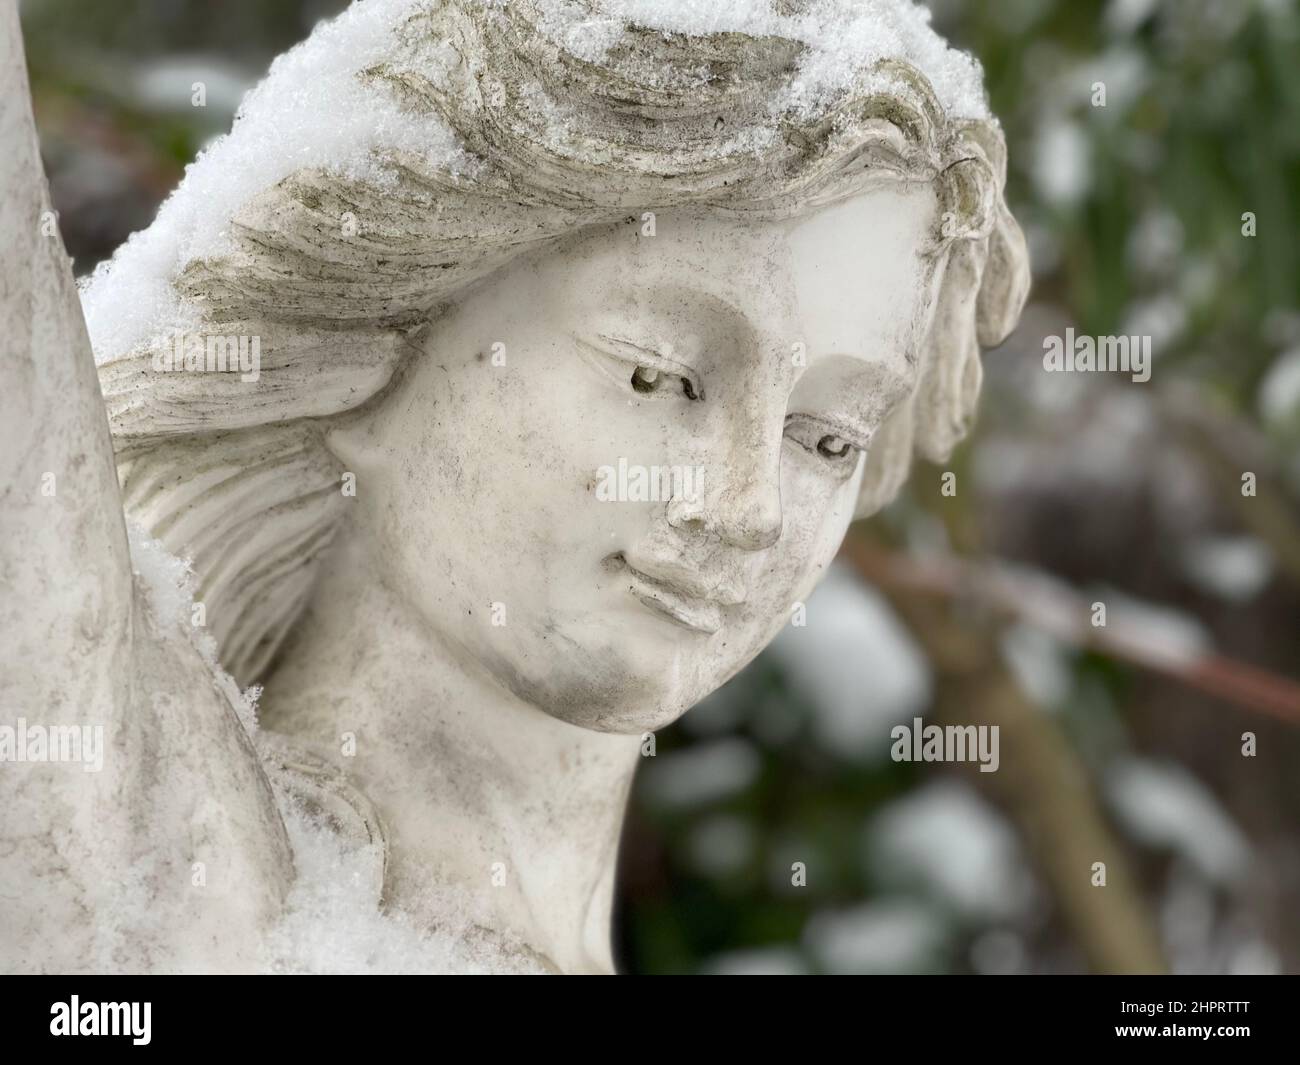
[
  {"x": 646, "y": 379},
  {"x": 811, "y": 435},
  {"x": 649, "y": 372},
  {"x": 833, "y": 447}
]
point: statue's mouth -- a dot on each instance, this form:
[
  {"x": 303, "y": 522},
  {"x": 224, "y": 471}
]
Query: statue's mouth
[{"x": 688, "y": 611}]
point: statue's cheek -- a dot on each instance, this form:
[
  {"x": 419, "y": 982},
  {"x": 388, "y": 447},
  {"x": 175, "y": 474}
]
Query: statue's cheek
[{"x": 816, "y": 507}]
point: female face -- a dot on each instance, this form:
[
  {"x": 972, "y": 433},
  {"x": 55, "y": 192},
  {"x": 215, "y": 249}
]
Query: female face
[{"x": 618, "y": 463}]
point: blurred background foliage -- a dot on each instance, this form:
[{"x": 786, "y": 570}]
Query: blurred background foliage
[{"x": 771, "y": 831}]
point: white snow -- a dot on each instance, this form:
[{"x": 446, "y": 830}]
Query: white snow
[
  {"x": 1200, "y": 938},
  {"x": 1125, "y": 16},
  {"x": 1155, "y": 242},
  {"x": 959, "y": 848},
  {"x": 310, "y": 111},
  {"x": 856, "y": 665},
  {"x": 1062, "y": 167},
  {"x": 1235, "y": 568},
  {"x": 1163, "y": 318},
  {"x": 1164, "y": 805},
  {"x": 167, "y": 84},
  {"x": 331, "y": 921},
  {"x": 842, "y": 39},
  {"x": 313, "y": 111},
  {"x": 168, "y": 584},
  {"x": 1160, "y": 631},
  {"x": 1279, "y": 392},
  {"x": 331, "y": 924},
  {"x": 891, "y": 936},
  {"x": 1042, "y": 665}
]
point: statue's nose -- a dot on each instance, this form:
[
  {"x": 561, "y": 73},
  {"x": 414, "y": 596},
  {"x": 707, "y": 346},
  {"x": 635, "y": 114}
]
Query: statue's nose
[
  {"x": 741, "y": 501},
  {"x": 748, "y": 515},
  {"x": 741, "y": 504}
]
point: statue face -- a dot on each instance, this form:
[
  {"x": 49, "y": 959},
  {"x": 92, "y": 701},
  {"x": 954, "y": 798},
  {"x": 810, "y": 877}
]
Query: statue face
[{"x": 619, "y": 463}]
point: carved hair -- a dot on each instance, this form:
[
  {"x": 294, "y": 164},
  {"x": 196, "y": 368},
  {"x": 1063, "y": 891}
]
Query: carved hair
[{"x": 236, "y": 476}]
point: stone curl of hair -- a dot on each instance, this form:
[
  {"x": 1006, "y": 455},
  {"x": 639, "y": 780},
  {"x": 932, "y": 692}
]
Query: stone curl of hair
[{"x": 236, "y": 477}]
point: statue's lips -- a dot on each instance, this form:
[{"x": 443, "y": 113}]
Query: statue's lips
[{"x": 688, "y": 611}]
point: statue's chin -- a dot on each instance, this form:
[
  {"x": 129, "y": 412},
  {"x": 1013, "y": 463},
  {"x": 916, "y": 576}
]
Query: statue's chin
[
  {"x": 615, "y": 683},
  {"x": 623, "y": 720},
  {"x": 613, "y": 700}
]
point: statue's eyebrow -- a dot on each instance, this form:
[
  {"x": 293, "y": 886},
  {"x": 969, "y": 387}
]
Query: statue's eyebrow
[
  {"x": 861, "y": 398},
  {"x": 665, "y": 353},
  {"x": 847, "y": 428}
]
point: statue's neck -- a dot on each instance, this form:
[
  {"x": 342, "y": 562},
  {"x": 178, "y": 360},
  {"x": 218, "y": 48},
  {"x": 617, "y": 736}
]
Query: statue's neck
[{"x": 481, "y": 793}]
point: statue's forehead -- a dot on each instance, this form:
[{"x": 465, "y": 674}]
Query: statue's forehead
[{"x": 843, "y": 278}]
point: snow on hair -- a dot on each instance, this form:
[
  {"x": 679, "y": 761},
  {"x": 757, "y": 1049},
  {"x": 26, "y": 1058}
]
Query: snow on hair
[{"x": 497, "y": 134}]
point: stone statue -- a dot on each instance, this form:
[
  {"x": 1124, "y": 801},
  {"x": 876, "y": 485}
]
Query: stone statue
[{"x": 482, "y": 401}]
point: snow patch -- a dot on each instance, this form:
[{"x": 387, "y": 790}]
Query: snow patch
[
  {"x": 962, "y": 850},
  {"x": 1164, "y": 805},
  {"x": 310, "y": 111},
  {"x": 331, "y": 924},
  {"x": 168, "y": 585},
  {"x": 1235, "y": 568},
  {"x": 857, "y": 666},
  {"x": 896, "y": 936},
  {"x": 842, "y": 39}
]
